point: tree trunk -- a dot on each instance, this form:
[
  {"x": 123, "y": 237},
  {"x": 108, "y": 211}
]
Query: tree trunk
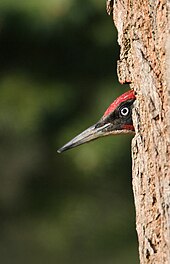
[{"x": 144, "y": 39}]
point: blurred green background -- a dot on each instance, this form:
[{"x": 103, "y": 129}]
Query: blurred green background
[{"x": 57, "y": 77}]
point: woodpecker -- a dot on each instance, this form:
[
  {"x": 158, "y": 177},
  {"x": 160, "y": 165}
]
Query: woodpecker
[{"x": 116, "y": 120}]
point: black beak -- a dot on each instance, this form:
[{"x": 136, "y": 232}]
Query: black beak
[{"x": 89, "y": 134}]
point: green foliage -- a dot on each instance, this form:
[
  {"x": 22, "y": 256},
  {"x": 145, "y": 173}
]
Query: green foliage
[{"x": 58, "y": 75}]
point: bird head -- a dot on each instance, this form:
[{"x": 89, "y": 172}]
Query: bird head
[{"x": 116, "y": 120}]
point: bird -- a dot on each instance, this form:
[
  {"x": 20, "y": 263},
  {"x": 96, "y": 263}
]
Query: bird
[{"x": 116, "y": 120}]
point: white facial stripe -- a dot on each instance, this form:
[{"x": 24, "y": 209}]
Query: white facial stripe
[{"x": 101, "y": 128}]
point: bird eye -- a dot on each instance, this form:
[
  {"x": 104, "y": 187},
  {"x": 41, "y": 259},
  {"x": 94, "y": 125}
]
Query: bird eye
[{"x": 124, "y": 111}]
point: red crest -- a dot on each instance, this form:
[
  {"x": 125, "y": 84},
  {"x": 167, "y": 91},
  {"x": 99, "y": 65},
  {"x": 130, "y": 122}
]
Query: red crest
[{"x": 124, "y": 97}]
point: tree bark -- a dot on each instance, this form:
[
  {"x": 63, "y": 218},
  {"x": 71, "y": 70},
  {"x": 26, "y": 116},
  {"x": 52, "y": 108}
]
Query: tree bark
[{"x": 144, "y": 38}]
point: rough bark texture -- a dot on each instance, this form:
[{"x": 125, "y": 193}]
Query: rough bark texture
[{"x": 143, "y": 34}]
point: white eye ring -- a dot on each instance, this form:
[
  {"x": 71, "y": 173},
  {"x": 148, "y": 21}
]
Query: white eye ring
[{"x": 124, "y": 111}]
